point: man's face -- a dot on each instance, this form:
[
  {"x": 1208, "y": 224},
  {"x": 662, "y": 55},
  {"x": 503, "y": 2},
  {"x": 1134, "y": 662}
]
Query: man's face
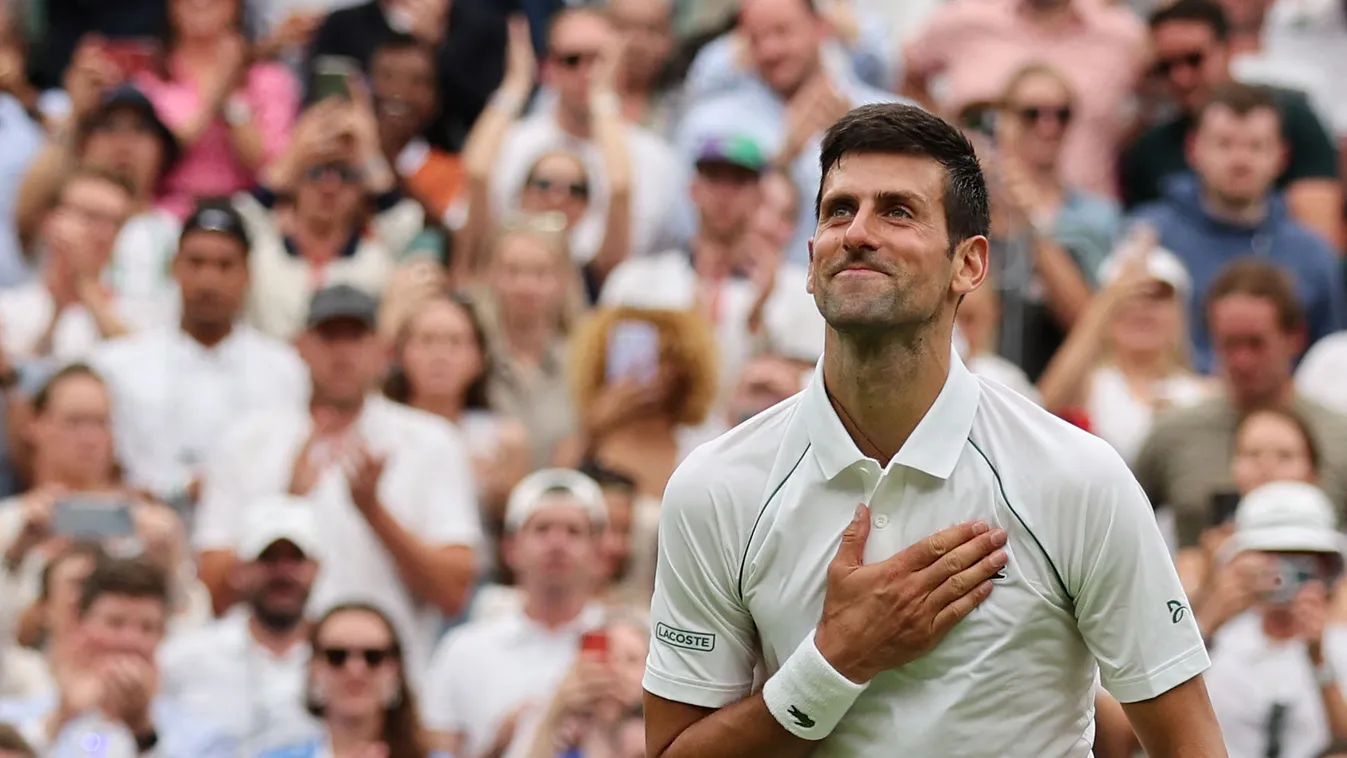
[
  {"x": 726, "y": 197},
  {"x": 527, "y": 277},
  {"x": 556, "y": 548},
  {"x": 121, "y": 625},
  {"x": 90, "y": 212},
  {"x": 212, "y": 272},
  {"x": 344, "y": 359},
  {"x": 1254, "y": 354},
  {"x": 880, "y": 258},
  {"x": 577, "y": 42},
  {"x": 74, "y": 431},
  {"x": 1189, "y": 61},
  {"x": 277, "y": 584},
  {"x": 783, "y": 38},
  {"x": 126, "y": 143},
  {"x": 403, "y": 83},
  {"x": 330, "y": 190},
  {"x": 648, "y": 28},
  {"x": 615, "y": 543},
  {"x": 1238, "y": 157}
]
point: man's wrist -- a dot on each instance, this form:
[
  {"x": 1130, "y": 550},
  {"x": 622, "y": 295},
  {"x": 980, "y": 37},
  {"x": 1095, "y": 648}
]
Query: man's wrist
[{"x": 839, "y": 660}]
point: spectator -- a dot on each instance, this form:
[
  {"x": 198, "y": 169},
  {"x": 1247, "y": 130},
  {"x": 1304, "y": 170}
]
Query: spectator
[
  {"x": 1310, "y": 41},
  {"x": 441, "y": 367},
  {"x": 619, "y": 494},
  {"x": 13, "y": 745},
  {"x": 68, "y": 309},
  {"x": 1320, "y": 374},
  {"x": 48, "y": 623},
  {"x": 1228, "y": 209},
  {"x": 765, "y": 381},
  {"x": 231, "y": 117},
  {"x": 1274, "y": 681},
  {"x": 745, "y": 295},
  {"x": 584, "y": 52},
  {"x": 979, "y": 319},
  {"x": 108, "y": 689},
  {"x": 785, "y": 103},
  {"x": 469, "y": 41},
  {"x": 1049, "y": 235},
  {"x": 357, "y": 685},
  {"x": 1127, "y": 360},
  {"x": 176, "y": 388},
  {"x": 643, "y": 81},
  {"x": 72, "y": 25},
  {"x": 253, "y": 662},
  {"x": 345, "y": 222},
  {"x": 1257, "y": 330},
  {"x": 20, "y": 133},
  {"x": 1190, "y": 39},
  {"x": 484, "y": 672},
  {"x": 978, "y": 46},
  {"x": 394, "y": 485}
]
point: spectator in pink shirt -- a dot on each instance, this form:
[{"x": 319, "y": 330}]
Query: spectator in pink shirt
[
  {"x": 231, "y": 117},
  {"x": 976, "y": 45}
]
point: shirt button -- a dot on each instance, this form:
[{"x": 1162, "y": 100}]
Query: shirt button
[{"x": 881, "y": 521}]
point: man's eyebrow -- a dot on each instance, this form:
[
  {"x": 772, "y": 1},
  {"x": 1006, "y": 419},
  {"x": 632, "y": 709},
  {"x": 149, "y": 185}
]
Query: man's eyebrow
[{"x": 899, "y": 197}]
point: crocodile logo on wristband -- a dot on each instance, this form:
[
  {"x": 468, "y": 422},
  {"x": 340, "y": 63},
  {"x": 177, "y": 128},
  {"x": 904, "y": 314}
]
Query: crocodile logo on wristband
[{"x": 801, "y": 718}]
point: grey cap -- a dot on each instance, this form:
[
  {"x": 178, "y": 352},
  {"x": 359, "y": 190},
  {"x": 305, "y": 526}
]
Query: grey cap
[{"x": 342, "y": 301}]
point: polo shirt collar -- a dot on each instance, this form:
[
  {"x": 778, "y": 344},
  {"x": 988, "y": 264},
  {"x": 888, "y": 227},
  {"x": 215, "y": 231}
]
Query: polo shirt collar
[{"x": 933, "y": 448}]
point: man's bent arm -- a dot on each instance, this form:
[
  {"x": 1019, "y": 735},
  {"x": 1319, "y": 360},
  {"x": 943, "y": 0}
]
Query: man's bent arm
[
  {"x": 745, "y": 729},
  {"x": 1178, "y": 724}
]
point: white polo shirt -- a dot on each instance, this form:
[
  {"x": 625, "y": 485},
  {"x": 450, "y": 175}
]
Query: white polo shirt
[{"x": 751, "y": 521}]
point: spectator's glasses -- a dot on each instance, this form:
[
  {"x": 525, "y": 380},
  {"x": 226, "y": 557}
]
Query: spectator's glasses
[
  {"x": 1165, "y": 67},
  {"x": 337, "y": 657},
  {"x": 1032, "y": 114},
  {"x": 577, "y": 190},
  {"x": 343, "y": 171},
  {"x": 574, "y": 60}
]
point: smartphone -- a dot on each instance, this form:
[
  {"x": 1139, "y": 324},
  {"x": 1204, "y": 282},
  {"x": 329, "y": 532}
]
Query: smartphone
[
  {"x": 92, "y": 518},
  {"x": 1292, "y": 573},
  {"x": 332, "y": 75},
  {"x": 133, "y": 56},
  {"x": 1223, "y": 506},
  {"x": 594, "y": 643},
  {"x": 633, "y": 352}
]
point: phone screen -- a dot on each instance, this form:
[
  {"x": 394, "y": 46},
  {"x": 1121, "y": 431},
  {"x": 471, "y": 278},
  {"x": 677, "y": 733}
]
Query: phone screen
[
  {"x": 594, "y": 643},
  {"x": 92, "y": 518},
  {"x": 131, "y": 56},
  {"x": 633, "y": 352},
  {"x": 332, "y": 77},
  {"x": 1223, "y": 505}
]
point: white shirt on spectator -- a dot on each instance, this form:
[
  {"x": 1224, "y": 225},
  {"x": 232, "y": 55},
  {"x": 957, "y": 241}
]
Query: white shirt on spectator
[
  {"x": 1322, "y": 375},
  {"x": 1124, "y": 420},
  {"x": 173, "y": 398},
  {"x": 427, "y": 486},
  {"x": 25, "y": 313},
  {"x": 659, "y": 181},
  {"x": 1250, "y": 673},
  {"x": 751, "y": 521},
  {"x": 1308, "y": 38},
  {"x": 994, "y": 367},
  {"x": 222, "y": 671},
  {"x": 140, "y": 268},
  {"x": 484, "y": 670}
]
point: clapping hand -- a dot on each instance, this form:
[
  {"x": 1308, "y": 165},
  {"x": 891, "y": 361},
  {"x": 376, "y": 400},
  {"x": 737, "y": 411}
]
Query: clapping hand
[{"x": 363, "y": 469}]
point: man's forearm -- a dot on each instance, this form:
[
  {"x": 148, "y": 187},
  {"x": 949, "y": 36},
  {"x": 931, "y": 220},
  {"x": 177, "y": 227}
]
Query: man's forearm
[{"x": 743, "y": 730}]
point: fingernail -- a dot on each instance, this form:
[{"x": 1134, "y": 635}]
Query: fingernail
[
  {"x": 999, "y": 537},
  {"x": 979, "y": 527},
  {"x": 999, "y": 558},
  {"x": 860, "y": 512}
]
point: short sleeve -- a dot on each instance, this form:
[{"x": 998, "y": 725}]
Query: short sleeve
[
  {"x": 1129, "y": 603},
  {"x": 1312, "y": 153},
  {"x": 449, "y": 504},
  {"x": 702, "y": 644}
]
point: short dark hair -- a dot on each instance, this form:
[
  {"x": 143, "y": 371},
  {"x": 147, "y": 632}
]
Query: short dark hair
[
  {"x": 1208, "y": 12},
  {"x": 1241, "y": 99},
  {"x": 607, "y": 478},
  {"x": 12, "y": 741},
  {"x": 908, "y": 130},
  {"x": 395, "y": 42},
  {"x": 124, "y": 577},
  {"x": 73, "y": 371},
  {"x": 1254, "y": 277}
]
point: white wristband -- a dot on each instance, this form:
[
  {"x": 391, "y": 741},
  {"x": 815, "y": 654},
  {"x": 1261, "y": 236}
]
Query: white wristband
[{"x": 808, "y": 697}]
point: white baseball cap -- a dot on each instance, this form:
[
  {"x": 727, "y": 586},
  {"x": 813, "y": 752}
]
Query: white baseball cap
[
  {"x": 280, "y": 517},
  {"x": 533, "y": 491},
  {"x": 1287, "y": 517},
  {"x": 1161, "y": 264}
]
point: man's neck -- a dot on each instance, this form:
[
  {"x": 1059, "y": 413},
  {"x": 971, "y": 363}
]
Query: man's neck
[
  {"x": 574, "y": 122},
  {"x": 45, "y": 473},
  {"x": 207, "y": 333},
  {"x": 278, "y": 642},
  {"x": 341, "y": 414},
  {"x": 1281, "y": 397},
  {"x": 882, "y": 388},
  {"x": 320, "y": 232},
  {"x": 555, "y": 609},
  {"x": 445, "y": 406},
  {"x": 351, "y": 736},
  {"x": 527, "y": 339},
  {"x": 1235, "y": 211}
]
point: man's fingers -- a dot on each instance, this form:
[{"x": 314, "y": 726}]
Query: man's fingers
[
  {"x": 971, "y": 555},
  {"x": 951, "y": 614},
  {"x": 967, "y": 580},
  {"x": 852, "y": 550},
  {"x": 936, "y": 546}
]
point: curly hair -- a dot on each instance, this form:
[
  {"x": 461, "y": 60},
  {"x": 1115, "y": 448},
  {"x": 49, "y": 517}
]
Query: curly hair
[{"x": 686, "y": 341}]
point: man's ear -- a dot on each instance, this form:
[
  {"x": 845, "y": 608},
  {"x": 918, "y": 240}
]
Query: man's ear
[{"x": 970, "y": 265}]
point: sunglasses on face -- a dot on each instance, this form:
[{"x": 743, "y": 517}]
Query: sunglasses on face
[
  {"x": 345, "y": 172},
  {"x": 577, "y": 190},
  {"x": 1032, "y": 114},
  {"x": 337, "y": 657},
  {"x": 574, "y": 60},
  {"x": 1167, "y": 66}
]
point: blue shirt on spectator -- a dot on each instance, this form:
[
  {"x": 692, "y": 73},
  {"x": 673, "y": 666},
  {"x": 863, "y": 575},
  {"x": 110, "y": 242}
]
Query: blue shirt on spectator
[
  {"x": 317, "y": 748},
  {"x": 182, "y": 734},
  {"x": 1206, "y": 244},
  {"x": 22, "y": 138}
]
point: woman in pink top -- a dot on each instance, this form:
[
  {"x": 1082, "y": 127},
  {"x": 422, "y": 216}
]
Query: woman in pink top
[{"x": 231, "y": 116}]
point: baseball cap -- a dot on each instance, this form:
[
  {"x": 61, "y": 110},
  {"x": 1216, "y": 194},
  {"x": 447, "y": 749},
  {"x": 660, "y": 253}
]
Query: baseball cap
[
  {"x": 129, "y": 97},
  {"x": 734, "y": 150},
  {"x": 277, "y": 518},
  {"x": 342, "y": 301},
  {"x": 530, "y": 496},
  {"x": 1287, "y": 517},
  {"x": 1162, "y": 266},
  {"x": 217, "y": 215}
]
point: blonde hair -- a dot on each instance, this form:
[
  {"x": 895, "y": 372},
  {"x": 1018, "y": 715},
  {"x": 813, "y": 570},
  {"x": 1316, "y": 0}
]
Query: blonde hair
[
  {"x": 543, "y": 228},
  {"x": 1029, "y": 71}
]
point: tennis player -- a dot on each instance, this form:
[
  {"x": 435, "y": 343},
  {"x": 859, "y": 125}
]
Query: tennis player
[{"x": 919, "y": 562}]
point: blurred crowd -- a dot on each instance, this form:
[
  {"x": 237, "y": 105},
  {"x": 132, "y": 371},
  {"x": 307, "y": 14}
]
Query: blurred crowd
[{"x": 346, "y": 347}]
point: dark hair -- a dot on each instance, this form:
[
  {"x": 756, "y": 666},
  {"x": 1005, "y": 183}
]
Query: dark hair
[
  {"x": 398, "y": 386},
  {"x": 73, "y": 371},
  {"x": 124, "y": 577},
  {"x": 396, "y": 41},
  {"x": 908, "y": 130},
  {"x": 1207, "y": 12},
  {"x": 1255, "y": 277},
  {"x": 1294, "y": 418},
  {"x": 607, "y": 478},
  {"x": 12, "y": 741},
  {"x": 1241, "y": 99},
  {"x": 402, "y": 731}
]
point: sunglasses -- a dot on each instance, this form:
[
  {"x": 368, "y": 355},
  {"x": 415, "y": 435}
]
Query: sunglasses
[
  {"x": 1167, "y": 66},
  {"x": 337, "y": 657},
  {"x": 1033, "y": 114},
  {"x": 574, "y": 60},
  {"x": 577, "y": 190},
  {"x": 345, "y": 172}
]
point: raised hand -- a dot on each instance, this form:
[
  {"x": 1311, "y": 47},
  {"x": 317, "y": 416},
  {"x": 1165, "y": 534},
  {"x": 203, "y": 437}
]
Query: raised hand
[
  {"x": 888, "y": 614},
  {"x": 521, "y": 65}
]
